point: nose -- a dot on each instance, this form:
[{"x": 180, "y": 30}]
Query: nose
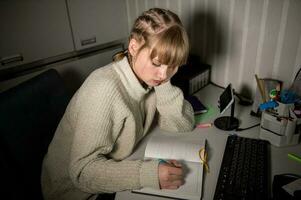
[{"x": 162, "y": 74}]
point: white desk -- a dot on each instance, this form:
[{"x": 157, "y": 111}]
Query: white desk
[{"x": 216, "y": 140}]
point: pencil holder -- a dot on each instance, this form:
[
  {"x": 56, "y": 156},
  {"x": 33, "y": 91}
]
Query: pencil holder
[
  {"x": 284, "y": 109},
  {"x": 280, "y": 131}
]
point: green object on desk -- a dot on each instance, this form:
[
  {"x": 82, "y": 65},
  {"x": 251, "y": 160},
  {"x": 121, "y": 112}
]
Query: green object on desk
[
  {"x": 210, "y": 114},
  {"x": 294, "y": 157}
]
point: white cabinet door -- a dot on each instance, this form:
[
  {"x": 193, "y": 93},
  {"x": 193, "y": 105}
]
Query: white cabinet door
[
  {"x": 73, "y": 71},
  {"x": 32, "y": 30},
  {"x": 96, "y": 22}
]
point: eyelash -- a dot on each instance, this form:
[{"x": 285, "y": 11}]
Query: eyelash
[{"x": 157, "y": 65}]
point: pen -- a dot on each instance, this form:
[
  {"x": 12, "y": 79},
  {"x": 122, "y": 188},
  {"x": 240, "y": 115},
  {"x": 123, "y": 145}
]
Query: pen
[
  {"x": 294, "y": 157},
  {"x": 260, "y": 87},
  {"x": 162, "y": 161},
  {"x": 205, "y": 125}
]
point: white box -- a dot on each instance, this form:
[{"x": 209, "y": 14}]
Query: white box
[
  {"x": 279, "y": 131},
  {"x": 284, "y": 109}
]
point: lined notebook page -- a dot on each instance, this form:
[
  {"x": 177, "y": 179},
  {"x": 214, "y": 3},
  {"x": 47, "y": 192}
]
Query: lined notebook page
[{"x": 173, "y": 147}]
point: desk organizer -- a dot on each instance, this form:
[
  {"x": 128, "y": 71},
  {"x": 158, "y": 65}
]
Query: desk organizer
[
  {"x": 284, "y": 109},
  {"x": 280, "y": 130}
]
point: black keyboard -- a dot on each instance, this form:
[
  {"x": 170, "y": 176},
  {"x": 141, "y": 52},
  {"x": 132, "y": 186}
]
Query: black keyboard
[{"x": 244, "y": 170}]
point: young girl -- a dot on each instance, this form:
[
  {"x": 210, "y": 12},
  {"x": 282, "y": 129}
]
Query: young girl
[{"x": 114, "y": 109}]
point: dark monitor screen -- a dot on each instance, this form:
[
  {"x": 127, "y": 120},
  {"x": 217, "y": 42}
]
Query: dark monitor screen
[{"x": 226, "y": 99}]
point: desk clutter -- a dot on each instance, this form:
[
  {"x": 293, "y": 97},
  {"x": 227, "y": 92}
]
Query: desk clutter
[{"x": 280, "y": 113}]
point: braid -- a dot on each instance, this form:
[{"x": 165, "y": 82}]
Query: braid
[
  {"x": 119, "y": 55},
  {"x": 163, "y": 27},
  {"x": 152, "y": 22}
]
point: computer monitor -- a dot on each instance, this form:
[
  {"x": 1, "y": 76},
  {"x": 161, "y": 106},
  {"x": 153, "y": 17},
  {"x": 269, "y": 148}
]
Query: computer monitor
[{"x": 226, "y": 100}]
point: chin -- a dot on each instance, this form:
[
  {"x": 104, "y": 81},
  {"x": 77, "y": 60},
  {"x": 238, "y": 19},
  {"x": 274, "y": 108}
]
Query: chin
[{"x": 154, "y": 84}]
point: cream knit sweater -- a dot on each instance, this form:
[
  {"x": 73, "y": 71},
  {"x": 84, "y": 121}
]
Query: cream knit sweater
[{"x": 106, "y": 118}]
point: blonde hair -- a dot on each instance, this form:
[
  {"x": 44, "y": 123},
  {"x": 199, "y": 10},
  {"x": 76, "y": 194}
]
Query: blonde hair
[{"x": 162, "y": 31}]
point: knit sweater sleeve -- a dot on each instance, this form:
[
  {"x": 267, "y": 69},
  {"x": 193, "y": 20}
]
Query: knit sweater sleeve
[
  {"x": 95, "y": 131},
  {"x": 175, "y": 113}
]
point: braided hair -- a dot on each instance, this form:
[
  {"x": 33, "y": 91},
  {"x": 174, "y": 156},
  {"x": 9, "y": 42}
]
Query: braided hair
[{"x": 162, "y": 31}]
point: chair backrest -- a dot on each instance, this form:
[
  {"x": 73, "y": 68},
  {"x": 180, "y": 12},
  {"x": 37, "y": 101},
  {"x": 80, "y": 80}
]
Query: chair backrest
[{"x": 29, "y": 115}]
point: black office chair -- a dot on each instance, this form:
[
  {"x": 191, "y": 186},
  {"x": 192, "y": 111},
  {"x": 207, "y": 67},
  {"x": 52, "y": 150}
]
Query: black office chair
[{"x": 29, "y": 115}]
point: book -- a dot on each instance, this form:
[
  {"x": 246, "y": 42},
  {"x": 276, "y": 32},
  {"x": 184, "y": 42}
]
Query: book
[
  {"x": 197, "y": 105},
  {"x": 185, "y": 149}
]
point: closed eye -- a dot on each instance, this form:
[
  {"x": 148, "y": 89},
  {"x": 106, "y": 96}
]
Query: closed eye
[{"x": 156, "y": 64}]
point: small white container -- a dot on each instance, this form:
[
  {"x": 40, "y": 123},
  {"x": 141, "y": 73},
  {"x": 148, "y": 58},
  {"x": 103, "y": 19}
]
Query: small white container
[
  {"x": 279, "y": 131},
  {"x": 284, "y": 109}
]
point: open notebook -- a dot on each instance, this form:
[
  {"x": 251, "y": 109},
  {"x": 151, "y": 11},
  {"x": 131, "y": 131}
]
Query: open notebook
[{"x": 184, "y": 149}]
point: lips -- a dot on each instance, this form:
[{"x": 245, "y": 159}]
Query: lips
[{"x": 157, "y": 82}]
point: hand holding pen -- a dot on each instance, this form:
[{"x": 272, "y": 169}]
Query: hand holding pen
[{"x": 170, "y": 174}]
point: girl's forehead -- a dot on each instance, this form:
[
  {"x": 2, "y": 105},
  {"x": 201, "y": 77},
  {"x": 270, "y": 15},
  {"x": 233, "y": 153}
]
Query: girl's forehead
[{"x": 159, "y": 54}]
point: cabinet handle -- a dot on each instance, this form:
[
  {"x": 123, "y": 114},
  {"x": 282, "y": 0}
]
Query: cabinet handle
[
  {"x": 11, "y": 59},
  {"x": 88, "y": 41}
]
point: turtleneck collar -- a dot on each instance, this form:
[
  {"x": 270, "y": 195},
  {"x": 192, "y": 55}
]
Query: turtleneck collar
[{"x": 129, "y": 79}]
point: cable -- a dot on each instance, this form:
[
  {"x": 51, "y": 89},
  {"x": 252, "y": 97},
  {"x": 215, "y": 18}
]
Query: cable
[
  {"x": 243, "y": 129},
  {"x": 290, "y": 175},
  {"x": 217, "y": 85}
]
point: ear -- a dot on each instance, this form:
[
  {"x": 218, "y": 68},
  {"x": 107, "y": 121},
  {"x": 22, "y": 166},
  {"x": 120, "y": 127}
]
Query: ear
[{"x": 133, "y": 47}]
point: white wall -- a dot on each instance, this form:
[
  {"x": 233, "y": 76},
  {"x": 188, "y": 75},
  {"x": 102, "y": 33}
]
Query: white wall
[{"x": 239, "y": 38}]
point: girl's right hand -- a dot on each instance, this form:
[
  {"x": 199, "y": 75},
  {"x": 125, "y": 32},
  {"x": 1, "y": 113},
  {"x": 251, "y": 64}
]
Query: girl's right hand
[{"x": 170, "y": 175}]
